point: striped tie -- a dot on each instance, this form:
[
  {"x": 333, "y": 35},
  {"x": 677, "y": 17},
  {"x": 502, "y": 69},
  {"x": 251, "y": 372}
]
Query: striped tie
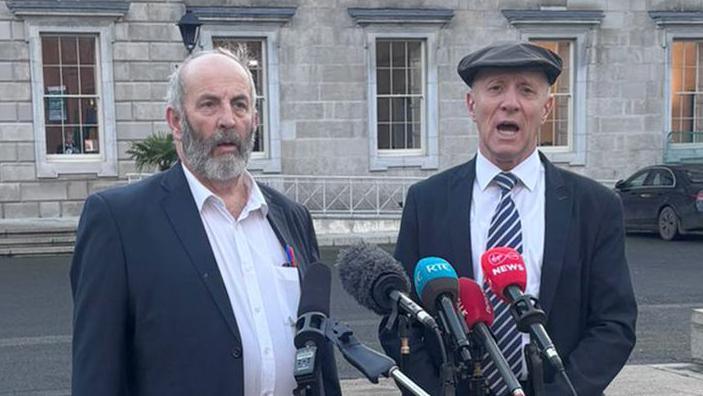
[{"x": 505, "y": 230}]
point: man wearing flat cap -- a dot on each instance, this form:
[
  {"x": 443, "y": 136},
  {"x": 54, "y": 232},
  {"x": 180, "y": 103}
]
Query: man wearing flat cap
[{"x": 567, "y": 228}]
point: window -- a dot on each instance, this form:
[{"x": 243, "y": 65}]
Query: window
[
  {"x": 570, "y": 34},
  {"x": 403, "y": 105},
  {"x": 71, "y": 94},
  {"x": 687, "y": 91},
  {"x": 556, "y": 131},
  {"x": 256, "y": 49},
  {"x": 400, "y": 93},
  {"x": 258, "y": 28}
]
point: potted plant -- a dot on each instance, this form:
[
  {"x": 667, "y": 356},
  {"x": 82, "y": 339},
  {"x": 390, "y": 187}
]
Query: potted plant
[{"x": 156, "y": 150}]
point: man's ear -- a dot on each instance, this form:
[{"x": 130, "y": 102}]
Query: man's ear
[
  {"x": 547, "y": 108},
  {"x": 174, "y": 123},
  {"x": 471, "y": 105}
]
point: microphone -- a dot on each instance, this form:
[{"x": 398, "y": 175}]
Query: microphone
[
  {"x": 311, "y": 327},
  {"x": 478, "y": 314},
  {"x": 504, "y": 270},
  {"x": 378, "y": 282},
  {"x": 437, "y": 285}
]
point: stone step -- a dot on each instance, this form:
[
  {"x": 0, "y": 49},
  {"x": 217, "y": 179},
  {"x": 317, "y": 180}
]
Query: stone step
[
  {"x": 34, "y": 240},
  {"x": 17, "y": 250}
]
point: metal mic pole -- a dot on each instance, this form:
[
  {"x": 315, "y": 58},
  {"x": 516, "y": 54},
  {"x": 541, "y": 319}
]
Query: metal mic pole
[{"x": 406, "y": 383}]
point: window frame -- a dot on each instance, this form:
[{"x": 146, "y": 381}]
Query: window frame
[
  {"x": 103, "y": 164},
  {"x": 268, "y": 161},
  {"x": 575, "y": 152},
  {"x": 675, "y": 33},
  {"x": 427, "y": 157}
]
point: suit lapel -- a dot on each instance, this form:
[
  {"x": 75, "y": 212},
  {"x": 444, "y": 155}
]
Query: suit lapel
[
  {"x": 180, "y": 208},
  {"x": 459, "y": 205},
  {"x": 558, "y": 204}
]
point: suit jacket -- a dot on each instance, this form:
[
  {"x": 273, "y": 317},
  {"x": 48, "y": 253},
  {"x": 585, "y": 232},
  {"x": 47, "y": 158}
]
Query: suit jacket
[
  {"x": 585, "y": 288},
  {"x": 151, "y": 312}
]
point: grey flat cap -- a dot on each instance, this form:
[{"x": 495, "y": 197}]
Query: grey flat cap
[{"x": 516, "y": 54}]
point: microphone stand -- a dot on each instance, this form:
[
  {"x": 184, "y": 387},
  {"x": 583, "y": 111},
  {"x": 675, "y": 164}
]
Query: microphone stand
[
  {"x": 403, "y": 329},
  {"x": 535, "y": 368},
  {"x": 371, "y": 363},
  {"x": 477, "y": 384}
]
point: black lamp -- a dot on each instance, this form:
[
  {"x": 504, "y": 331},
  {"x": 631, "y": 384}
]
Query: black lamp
[{"x": 190, "y": 27}]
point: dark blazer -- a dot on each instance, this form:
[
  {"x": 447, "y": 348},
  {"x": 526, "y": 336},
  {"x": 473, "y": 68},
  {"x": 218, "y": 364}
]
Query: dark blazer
[
  {"x": 151, "y": 312},
  {"x": 585, "y": 287}
]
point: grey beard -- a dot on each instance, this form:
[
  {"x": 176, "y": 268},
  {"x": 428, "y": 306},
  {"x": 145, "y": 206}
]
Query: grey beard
[{"x": 198, "y": 153}]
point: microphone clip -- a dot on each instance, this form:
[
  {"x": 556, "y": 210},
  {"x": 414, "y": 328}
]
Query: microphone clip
[{"x": 526, "y": 311}]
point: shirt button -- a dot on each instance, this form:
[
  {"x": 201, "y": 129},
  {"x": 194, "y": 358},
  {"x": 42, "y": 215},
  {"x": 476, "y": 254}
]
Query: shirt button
[{"x": 236, "y": 352}]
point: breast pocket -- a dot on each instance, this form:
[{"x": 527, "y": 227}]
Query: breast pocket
[{"x": 288, "y": 288}]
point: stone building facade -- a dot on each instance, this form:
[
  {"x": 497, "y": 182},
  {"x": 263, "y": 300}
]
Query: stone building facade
[{"x": 349, "y": 87}]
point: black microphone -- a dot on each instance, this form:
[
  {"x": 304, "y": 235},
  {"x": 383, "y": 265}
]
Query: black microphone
[
  {"x": 437, "y": 285},
  {"x": 478, "y": 314},
  {"x": 378, "y": 282},
  {"x": 311, "y": 328}
]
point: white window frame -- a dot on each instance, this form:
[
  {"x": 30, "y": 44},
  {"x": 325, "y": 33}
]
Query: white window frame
[
  {"x": 103, "y": 164},
  {"x": 675, "y": 33},
  {"x": 575, "y": 152},
  {"x": 268, "y": 161},
  {"x": 428, "y": 156}
]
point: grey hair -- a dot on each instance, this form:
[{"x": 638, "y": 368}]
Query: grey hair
[{"x": 175, "y": 92}]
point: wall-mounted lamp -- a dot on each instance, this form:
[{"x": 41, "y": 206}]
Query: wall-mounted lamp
[{"x": 190, "y": 28}]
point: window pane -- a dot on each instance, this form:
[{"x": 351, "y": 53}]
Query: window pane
[
  {"x": 398, "y": 109},
  {"x": 398, "y": 54},
  {"x": 54, "y": 140},
  {"x": 398, "y": 137},
  {"x": 55, "y": 110},
  {"x": 52, "y": 77},
  {"x": 415, "y": 82},
  {"x": 69, "y": 54},
  {"x": 72, "y": 111},
  {"x": 383, "y": 110},
  {"x": 50, "y": 50},
  {"x": 87, "y": 80},
  {"x": 383, "y": 81},
  {"x": 86, "y": 48},
  {"x": 384, "y": 140},
  {"x": 70, "y": 80},
  {"x": 399, "y": 87},
  {"x": 383, "y": 49}
]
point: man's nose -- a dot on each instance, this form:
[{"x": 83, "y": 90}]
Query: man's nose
[
  {"x": 510, "y": 101},
  {"x": 227, "y": 118}
]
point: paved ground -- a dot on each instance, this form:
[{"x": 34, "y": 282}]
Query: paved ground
[{"x": 35, "y": 323}]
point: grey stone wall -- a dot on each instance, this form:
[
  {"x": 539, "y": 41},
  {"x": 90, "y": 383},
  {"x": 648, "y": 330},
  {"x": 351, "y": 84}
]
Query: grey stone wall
[{"x": 323, "y": 90}]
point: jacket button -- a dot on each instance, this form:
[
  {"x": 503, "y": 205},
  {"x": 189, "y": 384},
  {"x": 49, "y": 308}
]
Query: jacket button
[{"x": 237, "y": 353}]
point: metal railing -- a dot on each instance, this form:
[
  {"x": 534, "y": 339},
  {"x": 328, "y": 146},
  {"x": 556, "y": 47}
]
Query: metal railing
[
  {"x": 683, "y": 146},
  {"x": 344, "y": 196},
  {"x": 338, "y": 196}
]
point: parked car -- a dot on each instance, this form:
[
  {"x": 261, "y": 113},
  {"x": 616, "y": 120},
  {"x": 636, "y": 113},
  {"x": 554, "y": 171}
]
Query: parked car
[{"x": 667, "y": 199}]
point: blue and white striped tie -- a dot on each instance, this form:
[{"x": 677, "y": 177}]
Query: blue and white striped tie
[{"x": 505, "y": 230}]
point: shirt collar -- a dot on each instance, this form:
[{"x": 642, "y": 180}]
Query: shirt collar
[
  {"x": 201, "y": 194},
  {"x": 526, "y": 171}
]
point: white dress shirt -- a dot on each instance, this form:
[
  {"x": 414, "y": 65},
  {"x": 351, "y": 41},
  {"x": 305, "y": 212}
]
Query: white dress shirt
[
  {"x": 528, "y": 195},
  {"x": 263, "y": 293}
]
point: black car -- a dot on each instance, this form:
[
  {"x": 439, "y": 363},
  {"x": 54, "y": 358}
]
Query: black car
[{"x": 667, "y": 199}]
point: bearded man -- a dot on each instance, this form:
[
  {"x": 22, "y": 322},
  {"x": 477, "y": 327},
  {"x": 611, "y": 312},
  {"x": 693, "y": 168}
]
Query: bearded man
[{"x": 187, "y": 283}]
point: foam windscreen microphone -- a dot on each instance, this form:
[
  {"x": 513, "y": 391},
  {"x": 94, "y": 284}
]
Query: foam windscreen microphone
[
  {"x": 506, "y": 274},
  {"x": 377, "y": 281},
  {"x": 478, "y": 313}
]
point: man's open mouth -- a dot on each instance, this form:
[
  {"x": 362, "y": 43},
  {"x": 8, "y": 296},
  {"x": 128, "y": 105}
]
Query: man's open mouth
[{"x": 508, "y": 126}]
